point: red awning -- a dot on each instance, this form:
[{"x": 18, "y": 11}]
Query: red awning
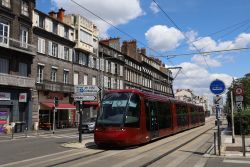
[
  {"x": 60, "y": 106},
  {"x": 91, "y": 103}
]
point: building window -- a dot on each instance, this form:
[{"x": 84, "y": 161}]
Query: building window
[
  {"x": 4, "y": 66},
  {"x": 53, "y": 74},
  {"x": 54, "y": 49},
  {"x": 65, "y": 76},
  {"x": 41, "y": 21},
  {"x": 41, "y": 45},
  {"x": 85, "y": 79},
  {"x": 109, "y": 82},
  {"x": 24, "y": 37},
  {"x": 93, "y": 80},
  {"x": 66, "y": 32},
  {"x": 66, "y": 53},
  {"x": 94, "y": 63},
  {"x": 23, "y": 69},
  {"x": 4, "y": 34},
  {"x": 5, "y": 3},
  {"x": 55, "y": 27},
  {"x": 25, "y": 8},
  {"x": 116, "y": 69},
  {"x": 40, "y": 73},
  {"x": 83, "y": 59},
  {"x": 86, "y": 37},
  {"x": 76, "y": 74}
]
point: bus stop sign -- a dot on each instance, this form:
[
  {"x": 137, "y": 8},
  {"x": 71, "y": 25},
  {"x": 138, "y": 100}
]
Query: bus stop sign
[{"x": 217, "y": 87}]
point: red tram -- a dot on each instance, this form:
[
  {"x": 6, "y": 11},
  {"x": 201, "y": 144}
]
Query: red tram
[{"x": 132, "y": 117}]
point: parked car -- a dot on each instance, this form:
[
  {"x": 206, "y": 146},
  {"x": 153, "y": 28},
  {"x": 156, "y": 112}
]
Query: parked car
[{"x": 88, "y": 125}]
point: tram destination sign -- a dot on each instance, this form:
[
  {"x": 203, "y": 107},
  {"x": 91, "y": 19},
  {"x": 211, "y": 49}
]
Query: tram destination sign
[{"x": 217, "y": 87}]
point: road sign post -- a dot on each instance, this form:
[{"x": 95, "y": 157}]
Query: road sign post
[
  {"x": 239, "y": 91},
  {"x": 84, "y": 93},
  {"x": 217, "y": 87},
  {"x": 56, "y": 103}
]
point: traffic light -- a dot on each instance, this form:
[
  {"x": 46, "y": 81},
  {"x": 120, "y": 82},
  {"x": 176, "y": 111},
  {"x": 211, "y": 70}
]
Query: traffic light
[{"x": 56, "y": 101}]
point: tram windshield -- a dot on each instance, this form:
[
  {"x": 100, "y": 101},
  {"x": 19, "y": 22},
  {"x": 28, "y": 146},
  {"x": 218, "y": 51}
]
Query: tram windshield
[{"x": 120, "y": 109}]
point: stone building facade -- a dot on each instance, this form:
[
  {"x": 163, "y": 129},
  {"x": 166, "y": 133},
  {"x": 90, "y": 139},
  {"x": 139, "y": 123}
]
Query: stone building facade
[
  {"x": 53, "y": 69},
  {"x": 16, "y": 55}
]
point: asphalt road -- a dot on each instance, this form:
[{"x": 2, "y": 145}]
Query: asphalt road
[{"x": 35, "y": 146}]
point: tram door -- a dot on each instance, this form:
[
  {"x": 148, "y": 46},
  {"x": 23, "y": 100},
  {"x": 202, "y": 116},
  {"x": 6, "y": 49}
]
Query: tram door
[{"x": 154, "y": 126}]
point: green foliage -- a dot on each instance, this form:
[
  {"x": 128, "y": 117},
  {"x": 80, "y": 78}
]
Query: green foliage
[{"x": 245, "y": 120}]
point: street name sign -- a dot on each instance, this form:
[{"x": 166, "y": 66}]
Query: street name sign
[
  {"x": 217, "y": 87},
  {"x": 85, "y": 98},
  {"x": 81, "y": 89}
]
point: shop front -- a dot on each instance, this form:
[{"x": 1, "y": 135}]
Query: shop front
[
  {"x": 65, "y": 113},
  {"x": 16, "y": 107}
]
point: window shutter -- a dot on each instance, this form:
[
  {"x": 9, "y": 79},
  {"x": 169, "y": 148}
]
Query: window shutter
[
  {"x": 112, "y": 83},
  {"x": 112, "y": 68},
  {"x": 102, "y": 64},
  {"x": 60, "y": 51},
  {"x": 121, "y": 70},
  {"x": 70, "y": 54},
  {"x": 50, "y": 48},
  {"x": 43, "y": 45},
  {"x": 97, "y": 64},
  {"x": 107, "y": 66},
  {"x": 39, "y": 45},
  {"x": 36, "y": 19},
  {"x": 121, "y": 84},
  {"x": 105, "y": 81}
]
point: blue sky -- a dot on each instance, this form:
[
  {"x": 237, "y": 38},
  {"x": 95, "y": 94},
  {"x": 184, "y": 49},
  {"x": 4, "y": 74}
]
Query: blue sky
[{"x": 197, "y": 19}]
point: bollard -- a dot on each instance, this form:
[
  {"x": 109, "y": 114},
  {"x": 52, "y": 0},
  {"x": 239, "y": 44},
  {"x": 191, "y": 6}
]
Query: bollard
[
  {"x": 12, "y": 133},
  {"x": 243, "y": 145},
  {"x": 26, "y": 131},
  {"x": 214, "y": 143}
]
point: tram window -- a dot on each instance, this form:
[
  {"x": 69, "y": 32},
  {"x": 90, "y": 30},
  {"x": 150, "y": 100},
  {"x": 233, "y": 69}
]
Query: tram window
[
  {"x": 133, "y": 112},
  {"x": 147, "y": 111},
  {"x": 164, "y": 115},
  {"x": 113, "y": 109},
  {"x": 182, "y": 116}
]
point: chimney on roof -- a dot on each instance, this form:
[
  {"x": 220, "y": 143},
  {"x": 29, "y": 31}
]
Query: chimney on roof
[
  {"x": 60, "y": 14},
  {"x": 52, "y": 14},
  {"x": 129, "y": 48}
]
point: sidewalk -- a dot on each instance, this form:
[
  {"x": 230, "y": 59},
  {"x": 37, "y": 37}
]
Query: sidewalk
[
  {"x": 230, "y": 149},
  {"x": 34, "y": 133}
]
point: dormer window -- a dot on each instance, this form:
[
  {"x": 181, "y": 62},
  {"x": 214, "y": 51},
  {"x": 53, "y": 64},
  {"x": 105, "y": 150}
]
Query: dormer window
[
  {"x": 25, "y": 8},
  {"x": 5, "y": 3}
]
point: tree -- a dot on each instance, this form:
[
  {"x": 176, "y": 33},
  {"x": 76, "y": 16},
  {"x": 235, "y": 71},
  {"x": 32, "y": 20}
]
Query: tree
[{"x": 246, "y": 84}]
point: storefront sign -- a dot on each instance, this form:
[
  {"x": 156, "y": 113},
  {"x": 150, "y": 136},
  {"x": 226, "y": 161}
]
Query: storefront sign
[
  {"x": 23, "y": 97},
  {"x": 4, "y": 96}
]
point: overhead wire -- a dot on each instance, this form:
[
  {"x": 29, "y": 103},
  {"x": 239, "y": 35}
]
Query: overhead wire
[
  {"x": 111, "y": 24},
  {"x": 173, "y": 22}
]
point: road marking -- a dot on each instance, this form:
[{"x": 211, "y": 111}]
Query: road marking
[
  {"x": 36, "y": 158},
  {"x": 96, "y": 159},
  {"x": 236, "y": 161}
]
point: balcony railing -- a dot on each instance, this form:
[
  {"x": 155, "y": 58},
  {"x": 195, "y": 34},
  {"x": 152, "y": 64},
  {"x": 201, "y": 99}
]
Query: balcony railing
[
  {"x": 17, "y": 45},
  {"x": 15, "y": 80},
  {"x": 55, "y": 86}
]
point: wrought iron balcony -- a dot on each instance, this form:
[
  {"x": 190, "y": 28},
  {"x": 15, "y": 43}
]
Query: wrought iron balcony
[
  {"x": 15, "y": 80},
  {"x": 55, "y": 86},
  {"x": 17, "y": 45}
]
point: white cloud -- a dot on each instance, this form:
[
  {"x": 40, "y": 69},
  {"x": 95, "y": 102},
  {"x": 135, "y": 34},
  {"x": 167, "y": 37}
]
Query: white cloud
[
  {"x": 116, "y": 12},
  {"x": 198, "y": 79},
  {"x": 163, "y": 38},
  {"x": 154, "y": 7},
  {"x": 209, "y": 44},
  {"x": 199, "y": 59}
]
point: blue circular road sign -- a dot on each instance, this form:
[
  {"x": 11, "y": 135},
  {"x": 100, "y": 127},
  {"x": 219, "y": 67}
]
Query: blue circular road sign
[{"x": 217, "y": 87}]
